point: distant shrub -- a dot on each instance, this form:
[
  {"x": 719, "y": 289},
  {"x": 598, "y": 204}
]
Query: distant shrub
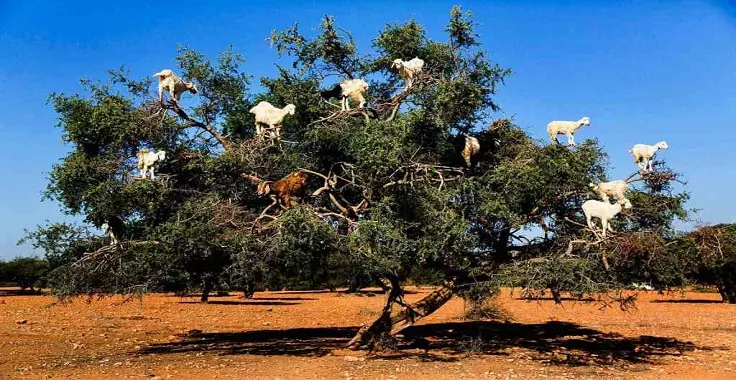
[{"x": 26, "y": 272}]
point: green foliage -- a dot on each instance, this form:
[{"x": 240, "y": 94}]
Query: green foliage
[
  {"x": 387, "y": 195},
  {"x": 333, "y": 49},
  {"x": 27, "y": 272},
  {"x": 708, "y": 255}
]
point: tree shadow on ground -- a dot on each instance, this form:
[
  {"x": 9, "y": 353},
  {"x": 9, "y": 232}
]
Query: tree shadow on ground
[
  {"x": 18, "y": 292},
  {"x": 243, "y": 303},
  {"x": 553, "y": 342},
  {"x": 283, "y": 299},
  {"x": 343, "y": 291},
  {"x": 548, "y": 299},
  {"x": 687, "y": 301}
]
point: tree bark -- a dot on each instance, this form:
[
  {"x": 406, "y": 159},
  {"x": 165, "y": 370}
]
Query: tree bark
[
  {"x": 207, "y": 288},
  {"x": 388, "y": 325}
]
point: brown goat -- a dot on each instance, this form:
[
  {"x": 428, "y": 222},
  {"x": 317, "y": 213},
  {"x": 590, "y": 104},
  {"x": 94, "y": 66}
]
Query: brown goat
[{"x": 283, "y": 189}]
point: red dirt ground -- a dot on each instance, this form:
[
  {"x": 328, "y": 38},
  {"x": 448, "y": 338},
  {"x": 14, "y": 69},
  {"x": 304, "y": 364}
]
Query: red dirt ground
[{"x": 300, "y": 335}]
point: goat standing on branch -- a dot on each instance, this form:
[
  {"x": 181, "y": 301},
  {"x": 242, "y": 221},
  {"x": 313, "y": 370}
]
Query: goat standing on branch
[
  {"x": 568, "y": 128},
  {"x": 408, "y": 69},
  {"x": 644, "y": 154},
  {"x": 609, "y": 189},
  {"x": 604, "y": 211},
  {"x": 147, "y": 159},
  {"x": 349, "y": 88},
  {"x": 472, "y": 147},
  {"x": 108, "y": 231},
  {"x": 272, "y": 117},
  {"x": 282, "y": 190},
  {"x": 169, "y": 81}
]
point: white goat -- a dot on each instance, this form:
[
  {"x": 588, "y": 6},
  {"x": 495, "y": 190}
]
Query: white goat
[
  {"x": 408, "y": 69},
  {"x": 169, "y": 81},
  {"x": 353, "y": 89},
  {"x": 107, "y": 230},
  {"x": 472, "y": 147},
  {"x": 271, "y": 116},
  {"x": 147, "y": 159},
  {"x": 610, "y": 189},
  {"x": 604, "y": 211},
  {"x": 643, "y": 154},
  {"x": 555, "y": 128}
]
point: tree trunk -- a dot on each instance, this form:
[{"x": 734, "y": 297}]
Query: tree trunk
[
  {"x": 206, "y": 291},
  {"x": 726, "y": 282},
  {"x": 501, "y": 246},
  {"x": 388, "y": 325},
  {"x": 249, "y": 290}
]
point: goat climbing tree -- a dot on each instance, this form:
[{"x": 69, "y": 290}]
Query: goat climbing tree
[{"x": 383, "y": 191}]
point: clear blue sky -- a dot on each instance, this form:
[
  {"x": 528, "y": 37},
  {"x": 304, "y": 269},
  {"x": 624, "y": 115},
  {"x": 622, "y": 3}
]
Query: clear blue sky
[{"x": 643, "y": 72}]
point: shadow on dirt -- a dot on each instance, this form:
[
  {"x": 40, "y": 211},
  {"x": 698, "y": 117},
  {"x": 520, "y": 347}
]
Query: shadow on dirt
[
  {"x": 284, "y": 299},
  {"x": 552, "y": 342},
  {"x": 548, "y": 299},
  {"x": 687, "y": 301},
  {"x": 361, "y": 292},
  {"x": 243, "y": 303},
  {"x": 18, "y": 292}
]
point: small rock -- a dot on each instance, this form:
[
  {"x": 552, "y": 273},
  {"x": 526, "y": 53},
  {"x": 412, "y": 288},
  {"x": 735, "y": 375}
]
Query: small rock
[
  {"x": 351, "y": 358},
  {"x": 21, "y": 321}
]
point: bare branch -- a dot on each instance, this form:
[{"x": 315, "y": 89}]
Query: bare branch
[{"x": 195, "y": 123}]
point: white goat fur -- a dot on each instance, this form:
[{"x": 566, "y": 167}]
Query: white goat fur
[
  {"x": 353, "y": 89},
  {"x": 271, "y": 116},
  {"x": 604, "y": 211},
  {"x": 147, "y": 159},
  {"x": 472, "y": 147},
  {"x": 408, "y": 69},
  {"x": 610, "y": 189},
  {"x": 107, "y": 230},
  {"x": 170, "y": 82},
  {"x": 568, "y": 128},
  {"x": 643, "y": 154}
]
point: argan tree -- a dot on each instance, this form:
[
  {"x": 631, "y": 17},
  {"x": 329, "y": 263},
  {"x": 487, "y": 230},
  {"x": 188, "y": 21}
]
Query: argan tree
[
  {"x": 385, "y": 191},
  {"x": 708, "y": 256}
]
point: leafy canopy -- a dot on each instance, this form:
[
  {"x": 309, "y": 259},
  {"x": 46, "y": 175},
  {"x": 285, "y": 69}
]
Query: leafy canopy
[{"x": 388, "y": 194}]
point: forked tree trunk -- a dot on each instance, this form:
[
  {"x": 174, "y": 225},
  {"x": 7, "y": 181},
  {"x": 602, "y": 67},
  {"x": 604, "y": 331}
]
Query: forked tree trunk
[{"x": 388, "y": 324}]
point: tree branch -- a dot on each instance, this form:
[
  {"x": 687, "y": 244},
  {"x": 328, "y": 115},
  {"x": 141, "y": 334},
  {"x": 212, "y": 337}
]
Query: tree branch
[{"x": 195, "y": 123}]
